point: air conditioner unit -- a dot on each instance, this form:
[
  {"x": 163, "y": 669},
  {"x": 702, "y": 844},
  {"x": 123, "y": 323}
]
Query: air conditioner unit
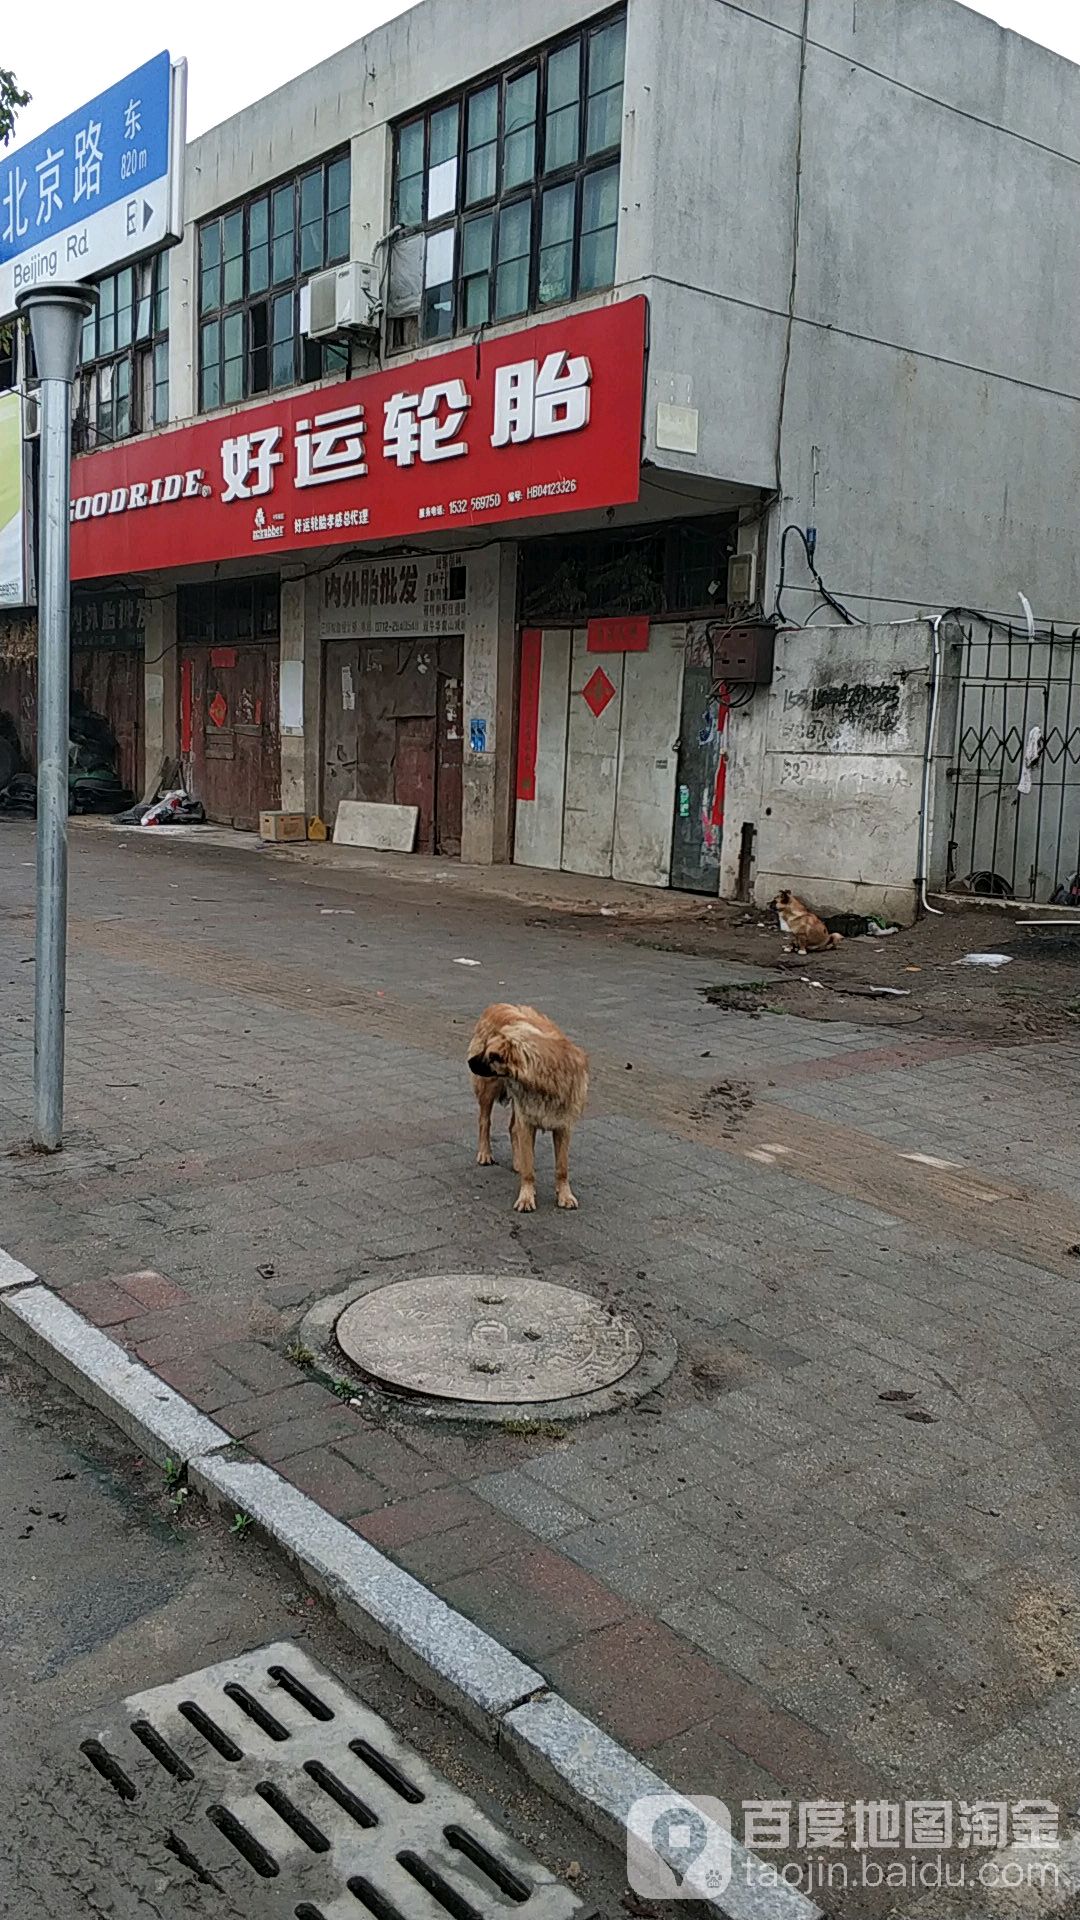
[{"x": 344, "y": 299}]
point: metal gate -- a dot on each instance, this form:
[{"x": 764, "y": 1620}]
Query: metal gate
[{"x": 1015, "y": 815}]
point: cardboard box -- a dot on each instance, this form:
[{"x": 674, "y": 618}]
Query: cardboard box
[{"x": 282, "y": 826}]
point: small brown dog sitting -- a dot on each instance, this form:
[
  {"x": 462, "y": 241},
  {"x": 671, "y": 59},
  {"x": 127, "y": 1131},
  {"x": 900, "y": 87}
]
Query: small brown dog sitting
[
  {"x": 520, "y": 1056},
  {"x": 806, "y": 933}
]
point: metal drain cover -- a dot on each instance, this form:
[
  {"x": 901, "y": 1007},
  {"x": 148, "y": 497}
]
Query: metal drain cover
[
  {"x": 467, "y": 1336},
  {"x": 273, "y": 1785}
]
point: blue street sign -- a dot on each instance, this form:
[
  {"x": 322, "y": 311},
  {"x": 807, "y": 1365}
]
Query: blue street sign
[{"x": 98, "y": 188}]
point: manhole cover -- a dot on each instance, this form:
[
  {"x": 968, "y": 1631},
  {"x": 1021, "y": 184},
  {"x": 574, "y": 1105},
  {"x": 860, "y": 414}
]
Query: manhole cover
[
  {"x": 467, "y": 1336},
  {"x": 275, "y": 1786}
]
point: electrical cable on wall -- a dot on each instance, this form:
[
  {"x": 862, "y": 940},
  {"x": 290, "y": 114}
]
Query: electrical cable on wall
[{"x": 809, "y": 541}]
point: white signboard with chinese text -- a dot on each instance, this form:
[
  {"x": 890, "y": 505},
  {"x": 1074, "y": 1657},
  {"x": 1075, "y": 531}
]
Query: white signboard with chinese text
[
  {"x": 418, "y": 598},
  {"x": 100, "y": 188}
]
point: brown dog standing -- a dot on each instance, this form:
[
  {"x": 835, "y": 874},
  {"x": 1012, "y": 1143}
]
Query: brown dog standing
[{"x": 520, "y": 1056}]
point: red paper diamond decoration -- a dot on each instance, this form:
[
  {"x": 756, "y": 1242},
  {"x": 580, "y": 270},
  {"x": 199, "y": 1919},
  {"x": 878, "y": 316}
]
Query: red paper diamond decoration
[
  {"x": 598, "y": 691},
  {"x": 218, "y": 710}
]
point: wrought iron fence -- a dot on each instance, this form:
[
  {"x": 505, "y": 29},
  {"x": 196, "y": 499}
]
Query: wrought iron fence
[{"x": 1015, "y": 815}]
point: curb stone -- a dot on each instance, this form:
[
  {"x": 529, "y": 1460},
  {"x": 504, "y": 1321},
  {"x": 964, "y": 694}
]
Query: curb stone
[
  {"x": 13, "y": 1273},
  {"x": 574, "y": 1760},
  {"x": 567, "y": 1754},
  {"x": 382, "y": 1603},
  {"x": 161, "y": 1422}
]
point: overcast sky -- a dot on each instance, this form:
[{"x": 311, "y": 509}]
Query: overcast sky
[{"x": 65, "y": 51}]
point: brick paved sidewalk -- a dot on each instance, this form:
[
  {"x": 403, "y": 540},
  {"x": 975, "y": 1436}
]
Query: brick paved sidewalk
[{"x": 838, "y": 1553}]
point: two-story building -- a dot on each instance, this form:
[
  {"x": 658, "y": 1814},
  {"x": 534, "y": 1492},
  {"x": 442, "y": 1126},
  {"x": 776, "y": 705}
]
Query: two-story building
[{"x": 520, "y": 367}]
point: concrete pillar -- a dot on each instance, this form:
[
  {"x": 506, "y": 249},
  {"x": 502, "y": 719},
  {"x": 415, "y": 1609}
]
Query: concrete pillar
[
  {"x": 313, "y": 691},
  {"x": 291, "y": 694},
  {"x": 942, "y": 787},
  {"x": 160, "y": 685},
  {"x": 183, "y": 307},
  {"x": 490, "y": 655}
]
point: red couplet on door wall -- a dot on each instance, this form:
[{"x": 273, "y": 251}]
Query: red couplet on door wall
[
  {"x": 539, "y": 422},
  {"x": 626, "y": 633}
]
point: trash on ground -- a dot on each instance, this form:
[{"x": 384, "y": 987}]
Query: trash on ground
[
  {"x": 466, "y": 963},
  {"x": 348, "y": 910},
  {"x": 859, "y": 926},
  {"x": 875, "y": 993},
  {"x": 984, "y": 960},
  {"x": 174, "y": 809},
  {"x": 609, "y": 913}
]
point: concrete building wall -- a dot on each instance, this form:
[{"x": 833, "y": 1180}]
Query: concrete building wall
[
  {"x": 932, "y": 386},
  {"x": 828, "y": 766}
]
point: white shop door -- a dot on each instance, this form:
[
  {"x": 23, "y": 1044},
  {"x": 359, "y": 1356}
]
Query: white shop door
[
  {"x": 592, "y": 758},
  {"x": 648, "y": 756}
]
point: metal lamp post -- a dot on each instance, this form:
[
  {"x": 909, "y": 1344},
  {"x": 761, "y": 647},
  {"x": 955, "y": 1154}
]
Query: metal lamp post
[{"x": 56, "y": 314}]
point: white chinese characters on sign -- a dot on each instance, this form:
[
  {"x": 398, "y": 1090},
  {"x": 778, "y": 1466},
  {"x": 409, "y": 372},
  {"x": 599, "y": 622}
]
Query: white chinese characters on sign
[
  {"x": 330, "y": 447},
  {"x": 534, "y": 400},
  {"x": 132, "y": 119},
  {"x": 48, "y": 173},
  {"x": 248, "y": 462},
  {"x": 414, "y": 424},
  {"x": 16, "y": 223},
  {"x": 88, "y": 161}
]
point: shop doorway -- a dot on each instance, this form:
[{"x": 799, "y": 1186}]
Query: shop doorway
[
  {"x": 598, "y": 739},
  {"x": 229, "y": 725},
  {"x": 392, "y": 731}
]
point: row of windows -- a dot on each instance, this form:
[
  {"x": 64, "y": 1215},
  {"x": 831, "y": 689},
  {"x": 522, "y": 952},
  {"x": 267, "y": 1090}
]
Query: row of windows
[
  {"x": 123, "y": 380},
  {"x": 505, "y": 202},
  {"x": 508, "y": 197},
  {"x": 252, "y": 263}
]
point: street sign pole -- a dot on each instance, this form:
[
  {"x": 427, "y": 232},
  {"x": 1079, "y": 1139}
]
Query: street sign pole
[{"x": 56, "y": 314}]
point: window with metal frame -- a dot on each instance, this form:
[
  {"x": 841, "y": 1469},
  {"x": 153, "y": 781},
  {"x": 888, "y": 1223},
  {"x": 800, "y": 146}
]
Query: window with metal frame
[
  {"x": 252, "y": 263},
  {"x": 506, "y": 198},
  {"x": 122, "y": 386}
]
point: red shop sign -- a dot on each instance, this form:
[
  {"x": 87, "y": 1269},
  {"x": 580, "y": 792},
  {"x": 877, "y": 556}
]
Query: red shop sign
[{"x": 539, "y": 422}]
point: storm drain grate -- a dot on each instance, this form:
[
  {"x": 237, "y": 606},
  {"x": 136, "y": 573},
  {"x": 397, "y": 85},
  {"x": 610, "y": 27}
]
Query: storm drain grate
[{"x": 271, "y": 1782}]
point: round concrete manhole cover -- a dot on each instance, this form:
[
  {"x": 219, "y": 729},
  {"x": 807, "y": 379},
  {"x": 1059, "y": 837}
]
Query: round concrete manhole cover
[{"x": 466, "y": 1336}]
